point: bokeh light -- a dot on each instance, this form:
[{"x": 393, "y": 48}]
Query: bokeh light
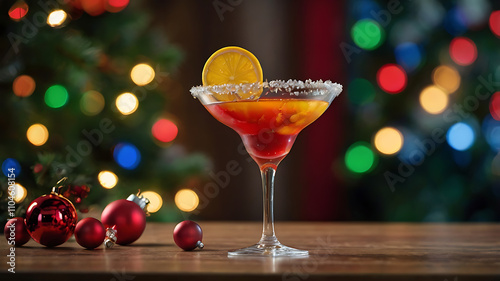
[
  {"x": 164, "y": 130},
  {"x": 495, "y": 22},
  {"x": 491, "y": 131},
  {"x": 127, "y": 103},
  {"x": 92, "y": 103},
  {"x": 37, "y": 134},
  {"x": 155, "y": 201},
  {"x": 93, "y": 7},
  {"x": 56, "y": 96},
  {"x": 18, "y": 10},
  {"x": 361, "y": 91},
  {"x": 127, "y": 155},
  {"x": 391, "y": 78},
  {"x": 388, "y": 140},
  {"x": 433, "y": 100},
  {"x": 115, "y": 6},
  {"x": 186, "y": 200},
  {"x": 367, "y": 34},
  {"x": 107, "y": 179},
  {"x": 20, "y": 193},
  {"x": 11, "y": 163},
  {"x": 460, "y": 136},
  {"x": 495, "y": 106},
  {"x": 56, "y": 18},
  {"x": 455, "y": 22},
  {"x": 23, "y": 86},
  {"x": 446, "y": 77},
  {"x": 360, "y": 158},
  {"x": 463, "y": 51},
  {"x": 408, "y": 55},
  {"x": 142, "y": 74}
]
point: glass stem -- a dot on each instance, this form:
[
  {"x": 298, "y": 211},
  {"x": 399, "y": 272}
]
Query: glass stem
[{"x": 268, "y": 236}]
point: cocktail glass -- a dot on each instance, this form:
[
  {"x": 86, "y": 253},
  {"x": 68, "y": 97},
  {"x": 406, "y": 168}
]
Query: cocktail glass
[{"x": 268, "y": 116}]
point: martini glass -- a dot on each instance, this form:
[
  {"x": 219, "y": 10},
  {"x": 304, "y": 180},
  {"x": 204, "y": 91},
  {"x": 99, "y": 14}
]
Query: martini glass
[{"x": 268, "y": 116}]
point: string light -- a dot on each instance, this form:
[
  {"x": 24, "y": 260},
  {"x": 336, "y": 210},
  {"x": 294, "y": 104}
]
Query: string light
[
  {"x": 164, "y": 130},
  {"x": 463, "y": 51},
  {"x": 460, "y": 136},
  {"x": 361, "y": 91},
  {"x": 127, "y": 155},
  {"x": 155, "y": 201},
  {"x": 186, "y": 200},
  {"x": 92, "y": 103},
  {"x": 11, "y": 166},
  {"x": 56, "y": 18},
  {"x": 18, "y": 10},
  {"x": 495, "y": 22},
  {"x": 20, "y": 193},
  {"x": 360, "y": 158},
  {"x": 367, "y": 34},
  {"x": 388, "y": 140},
  {"x": 446, "y": 77},
  {"x": 107, "y": 179},
  {"x": 495, "y": 106},
  {"x": 391, "y": 78},
  {"x": 56, "y": 96},
  {"x": 127, "y": 103},
  {"x": 23, "y": 86},
  {"x": 37, "y": 134},
  {"x": 433, "y": 100},
  {"x": 142, "y": 74}
]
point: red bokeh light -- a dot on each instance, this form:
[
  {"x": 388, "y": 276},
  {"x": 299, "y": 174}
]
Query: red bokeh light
[
  {"x": 495, "y": 23},
  {"x": 392, "y": 78},
  {"x": 164, "y": 130},
  {"x": 463, "y": 51},
  {"x": 495, "y": 106},
  {"x": 114, "y": 6},
  {"x": 18, "y": 10}
]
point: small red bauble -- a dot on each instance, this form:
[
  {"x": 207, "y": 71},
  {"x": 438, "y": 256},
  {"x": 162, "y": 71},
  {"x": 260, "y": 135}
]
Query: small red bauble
[
  {"x": 128, "y": 219},
  {"x": 188, "y": 235},
  {"x": 89, "y": 233},
  {"x": 15, "y": 232},
  {"x": 51, "y": 219}
]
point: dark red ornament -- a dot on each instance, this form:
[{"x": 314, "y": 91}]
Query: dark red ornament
[
  {"x": 15, "y": 232},
  {"x": 51, "y": 219},
  {"x": 188, "y": 235},
  {"x": 127, "y": 217},
  {"x": 89, "y": 233}
]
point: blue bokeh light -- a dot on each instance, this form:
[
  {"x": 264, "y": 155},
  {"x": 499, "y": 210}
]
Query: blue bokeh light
[
  {"x": 455, "y": 22},
  {"x": 364, "y": 9},
  {"x": 491, "y": 131},
  {"x": 460, "y": 136},
  {"x": 11, "y": 163},
  {"x": 408, "y": 55},
  {"x": 127, "y": 155}
]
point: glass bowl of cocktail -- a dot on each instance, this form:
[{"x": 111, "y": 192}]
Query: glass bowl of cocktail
[{"x": 268, "y": 117}]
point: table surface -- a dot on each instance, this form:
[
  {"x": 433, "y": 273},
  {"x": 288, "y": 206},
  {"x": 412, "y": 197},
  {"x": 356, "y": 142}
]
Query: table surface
[{"x": 338, "y": 251}]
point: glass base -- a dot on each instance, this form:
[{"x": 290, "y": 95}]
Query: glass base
[{"x": 279, "y": 250}]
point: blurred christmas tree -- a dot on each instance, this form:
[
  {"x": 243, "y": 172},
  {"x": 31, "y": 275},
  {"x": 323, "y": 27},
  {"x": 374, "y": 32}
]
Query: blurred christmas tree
[
  {"x": 83, "y": 96},
  {"x": 426, "y": 110}
]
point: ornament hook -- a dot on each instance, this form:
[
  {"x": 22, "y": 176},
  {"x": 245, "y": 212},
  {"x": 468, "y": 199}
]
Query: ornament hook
[{"x": 57, "y": 188}]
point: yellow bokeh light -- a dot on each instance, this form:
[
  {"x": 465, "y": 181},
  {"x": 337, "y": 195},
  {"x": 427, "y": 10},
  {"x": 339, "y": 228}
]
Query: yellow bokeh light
[
  {"x": 142, "y": 74},
  {"x": 20, "y": 193},
  {"x": 446, "y": 77},
  {"x": 107, "y": 179},
  {"x": 92, "y": 103},
  {"x": 433, "y": 100},
  {"x": 37, "y": 134},
  {"x": 388, "y": 140},
  {"x": 56, "y": 18},
  {"x": 186, "y": 200},
  {"x": 127, "y": 103},
  {"x": 155, "y": 201}
]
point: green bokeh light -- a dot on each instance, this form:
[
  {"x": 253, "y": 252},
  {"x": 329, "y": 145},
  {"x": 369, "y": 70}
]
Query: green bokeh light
[
  {"x": 367, "y": 34},
  {"x": 361, "y": 91},
  {"x": 56, "y": 96},
  {"x": 359, "y": 158}
]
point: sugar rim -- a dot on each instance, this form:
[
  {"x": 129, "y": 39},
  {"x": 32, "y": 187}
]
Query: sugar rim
[{"x": 294, "y": 87}]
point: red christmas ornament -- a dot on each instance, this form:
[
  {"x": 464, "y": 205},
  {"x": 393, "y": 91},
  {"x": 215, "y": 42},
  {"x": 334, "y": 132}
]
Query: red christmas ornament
[
  {"x": 89, "y": 233},
  {"x": 125, "y": 220},
  {"x": 188, "y": 235},
  {"x": 51, "y": 219},
  {"x": 15, "y": 232}
]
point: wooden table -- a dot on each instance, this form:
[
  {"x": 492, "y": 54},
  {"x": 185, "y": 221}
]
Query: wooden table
[{"x": 338, "y": 251}]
